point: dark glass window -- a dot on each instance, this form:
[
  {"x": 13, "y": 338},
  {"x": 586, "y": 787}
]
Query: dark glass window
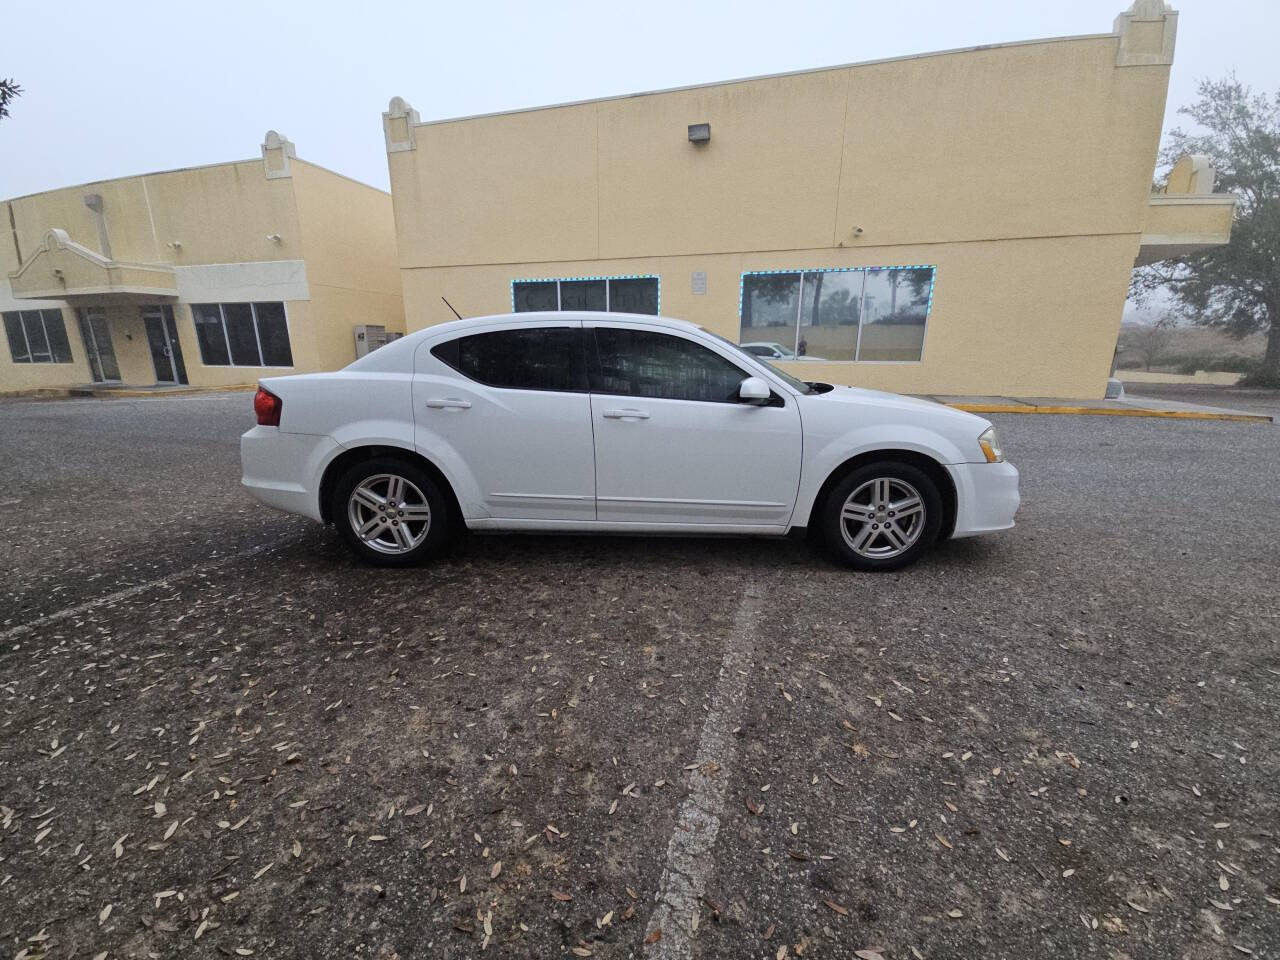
[
  {"x": 273, "y": 334},
  {"x": 541, "y": 295},
  {"x": 641, "y": 363},
  {"x": 244, "y": 343},
  {"x": 582, "y": 295},
  {"x": 256, "y": 333},
  {"x": 213, "y": 344},
  {"x": 614, "y": 294},
  {"x": 37, "y": 336},
  {"x": 57, "y": 333},
  {"x": 533, "y": 358},
  {"x": 17, "y": 338},
  {"x": 634, "y": 295}
]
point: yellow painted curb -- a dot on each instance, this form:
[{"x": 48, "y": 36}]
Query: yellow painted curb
[{"x": 1111, "y": 412}]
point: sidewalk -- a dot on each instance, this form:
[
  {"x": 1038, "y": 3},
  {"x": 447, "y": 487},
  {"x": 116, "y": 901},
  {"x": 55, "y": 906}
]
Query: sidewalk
[{"x": 1130, "y": 406}]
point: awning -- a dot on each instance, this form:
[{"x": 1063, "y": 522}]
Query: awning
[
  {"x": 1178, "y": 225},
  {"x": 1186, "y": 215},
  {"x": 62, "y": 269}
]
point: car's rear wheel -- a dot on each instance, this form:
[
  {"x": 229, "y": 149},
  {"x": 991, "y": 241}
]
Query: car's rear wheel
[
  {"x": 882, "y": 516},
  {"x": 390, "y": 512}
]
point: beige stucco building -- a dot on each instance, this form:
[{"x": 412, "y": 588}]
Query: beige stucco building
[
  {"x": 210, "y": 276},
  {"x": 962, "y": 222}
]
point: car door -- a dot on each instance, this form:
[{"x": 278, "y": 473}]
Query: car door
[
  {"x": 508, "y": 408},
  {"x": 673, "y": 442}
]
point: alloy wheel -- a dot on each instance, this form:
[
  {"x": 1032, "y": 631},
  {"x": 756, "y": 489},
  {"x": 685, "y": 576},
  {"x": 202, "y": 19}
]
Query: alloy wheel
[
  {"x": 883, "y": 518},
  {"x": 389, "y": 513}
]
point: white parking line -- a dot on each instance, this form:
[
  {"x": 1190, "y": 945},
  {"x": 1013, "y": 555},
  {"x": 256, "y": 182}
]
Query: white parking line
[
  {"x": 68, "y": 612},
  {"x": 689, "y": 864}
]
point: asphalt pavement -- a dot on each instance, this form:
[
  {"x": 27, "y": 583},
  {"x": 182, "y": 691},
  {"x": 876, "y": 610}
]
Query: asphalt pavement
[{"x": 220, "y": 735}]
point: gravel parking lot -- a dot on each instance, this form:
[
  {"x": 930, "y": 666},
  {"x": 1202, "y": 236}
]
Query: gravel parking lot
[{"x": 220, "y": 736}]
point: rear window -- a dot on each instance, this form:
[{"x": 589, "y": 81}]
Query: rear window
[{"x": 528, "y": 358}]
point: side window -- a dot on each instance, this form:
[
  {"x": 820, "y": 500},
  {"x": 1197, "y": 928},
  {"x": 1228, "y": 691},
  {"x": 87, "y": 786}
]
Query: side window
[
  {"x": 641, "y": 363},
  {"x": 531, "y": 358}
]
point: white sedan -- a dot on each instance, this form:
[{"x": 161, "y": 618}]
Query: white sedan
[{"x": 614, "y": 423}]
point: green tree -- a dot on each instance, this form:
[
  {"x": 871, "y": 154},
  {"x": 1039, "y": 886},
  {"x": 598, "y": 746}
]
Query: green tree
[
  {"x": 1235, "y": 287},
  {"x": 9, "y": 91}
]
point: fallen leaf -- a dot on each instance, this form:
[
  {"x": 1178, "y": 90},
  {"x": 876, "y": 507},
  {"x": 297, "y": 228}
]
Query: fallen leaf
[
  {"x": 562, "y": 897},
  {"x": 843, "y": 911},
  {"x": 655, "y": 936}
]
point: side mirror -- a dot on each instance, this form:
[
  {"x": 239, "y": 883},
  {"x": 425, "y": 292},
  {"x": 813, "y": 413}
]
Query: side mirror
[{"x": 755, "y": 391}]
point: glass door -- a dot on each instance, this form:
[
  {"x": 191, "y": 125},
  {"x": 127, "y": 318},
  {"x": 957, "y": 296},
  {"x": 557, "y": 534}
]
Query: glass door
[
  {"x": 162, "y": 339},
  {"x": 97, "y": 345}
]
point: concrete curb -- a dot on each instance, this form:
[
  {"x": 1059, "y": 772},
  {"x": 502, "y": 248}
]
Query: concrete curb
[
  {"x": 1112, "y": 412},
  {"x": 167, "y": 392},
  {"x": 111, "y": 393}
]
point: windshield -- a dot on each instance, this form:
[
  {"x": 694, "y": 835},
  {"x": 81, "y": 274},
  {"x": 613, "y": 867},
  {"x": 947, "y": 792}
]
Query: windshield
[{"x": 799, "y": 386}]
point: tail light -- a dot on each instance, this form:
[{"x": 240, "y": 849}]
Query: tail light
[{"x": 267, "y": 406}]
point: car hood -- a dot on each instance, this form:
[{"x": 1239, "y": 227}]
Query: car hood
[
  {"x": 894, "y": 407},
  {"x": 881, "y": 398}
]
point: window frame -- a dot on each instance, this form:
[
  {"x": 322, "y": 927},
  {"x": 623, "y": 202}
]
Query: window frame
[
  {"x": 257, "y": 336},
  {"x": 864, "y": 270},
  {"x": 607, "y": 289},
  {"x": 594, "y": 369},
  {"x": 583, "y": 356},
  {"x": 49, "y": 356}
]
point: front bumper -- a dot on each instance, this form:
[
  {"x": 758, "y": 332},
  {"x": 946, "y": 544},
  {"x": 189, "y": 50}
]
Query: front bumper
[
  {"x": 986, "y": 497},
  {"x": 283, "y": 470}
]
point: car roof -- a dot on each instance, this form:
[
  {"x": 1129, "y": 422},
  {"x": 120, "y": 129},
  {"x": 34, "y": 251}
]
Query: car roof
[{"x": 543, "y": 316}]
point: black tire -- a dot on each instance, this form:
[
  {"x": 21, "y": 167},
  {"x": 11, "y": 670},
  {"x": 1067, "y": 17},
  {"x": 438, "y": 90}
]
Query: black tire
[
  {"x": 438, "y": 527},
  {"x": 837, "y": 532}
]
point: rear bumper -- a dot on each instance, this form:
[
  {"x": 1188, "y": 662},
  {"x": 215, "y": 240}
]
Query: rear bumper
[
  {"x": 283, "y": 470},
  {"x": 986, "y": 497}
]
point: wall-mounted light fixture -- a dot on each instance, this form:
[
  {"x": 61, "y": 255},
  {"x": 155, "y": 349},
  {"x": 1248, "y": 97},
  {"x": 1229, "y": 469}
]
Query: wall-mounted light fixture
[
  {"x": 699, "y": 133},
  {"x": 273, "y": 237},
  {"x": 175, "y": 244}
]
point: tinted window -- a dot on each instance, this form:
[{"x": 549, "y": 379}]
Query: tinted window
[
  {"x": 536, "y": 358},
  {"x": 213, "y": 343},
  {"x": 57, "y": 332},
  {"x": 640, "y": 363},
  {"x": 535, "y": 295},
  {"x": 17, "y": 339},
  {"x": 244, "y": 342},
  {"x": 614, "y": 294},
  {"x": 634, "y": 295},
  {"x": 37, "y": 336},
  {"x": 273, "y": 333},
  {"x": 582, "y": 295}
]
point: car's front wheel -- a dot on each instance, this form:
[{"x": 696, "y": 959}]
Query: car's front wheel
[
  {"x": 391, "y": 512},
  {"x": 882, "y": 516}
]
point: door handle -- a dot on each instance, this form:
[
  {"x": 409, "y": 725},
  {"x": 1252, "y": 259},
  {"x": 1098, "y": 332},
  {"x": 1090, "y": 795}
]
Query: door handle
[
  {"x": 625, "y": 414},
  {"x": 448, "y": 403}
]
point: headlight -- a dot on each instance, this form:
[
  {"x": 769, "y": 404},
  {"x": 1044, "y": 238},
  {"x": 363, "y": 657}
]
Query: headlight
[{"x": 990, "y": 445}]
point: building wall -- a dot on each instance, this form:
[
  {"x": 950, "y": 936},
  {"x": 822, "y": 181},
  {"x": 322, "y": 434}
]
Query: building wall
[
  {"x": 1022, "y": 171},
  {"x": 276, "y": 229},
  {"x": 348, "y": 236},
  {"x": 29, "y": 377}
]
